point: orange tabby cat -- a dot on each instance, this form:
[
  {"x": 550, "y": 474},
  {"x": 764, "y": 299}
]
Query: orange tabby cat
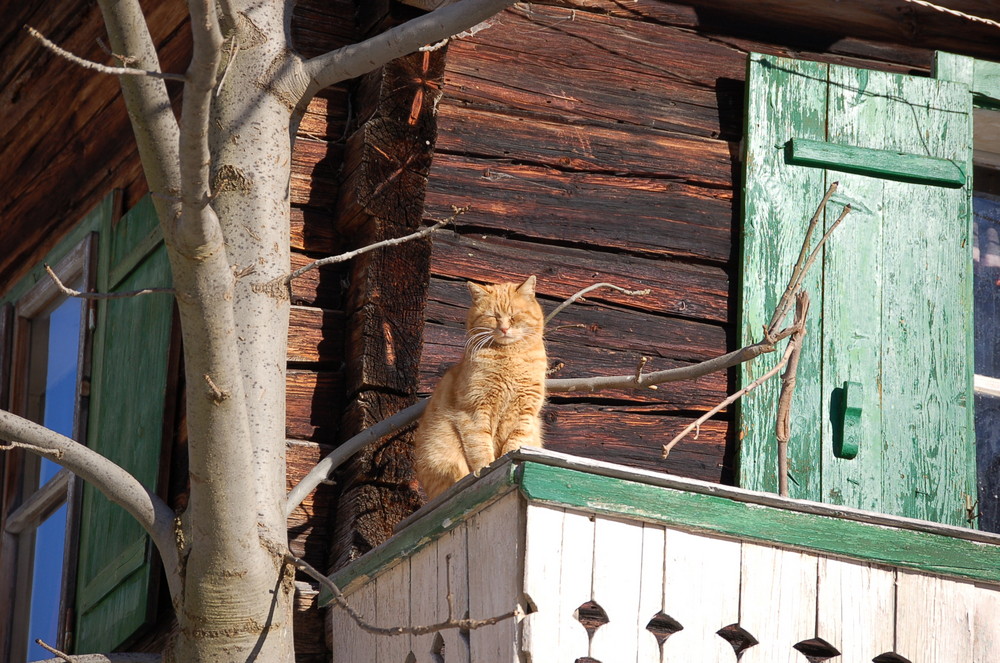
[{"x": 489, "y": 402}]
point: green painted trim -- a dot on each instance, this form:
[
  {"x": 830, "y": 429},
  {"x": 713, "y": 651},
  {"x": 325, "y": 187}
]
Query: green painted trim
[
  {"x": 981, "y": 76},
  {"x": 128, "y": 562},
  {"x": 827, "y": 535},
  {"x": 465, "y": 500},
  {"x": 884, "y": 164}
]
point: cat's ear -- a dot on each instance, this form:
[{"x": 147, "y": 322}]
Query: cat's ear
[
  {"x": 477, "y": 291},
  {"x": 528, "y": 287}
]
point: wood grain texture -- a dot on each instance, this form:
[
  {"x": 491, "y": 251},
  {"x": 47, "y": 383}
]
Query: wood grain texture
[
  {"x": 627, "y": 213},
  {"x": 856, "y": 607},
  {"x": 617, "y": 574},
  {"x": 934, "y": 618},
  {"x": 709, "y": 568},
  {"x": 777, "y": 582},
  {"x": 495, "y": 567},
  {"x": 542, "y": 627}
]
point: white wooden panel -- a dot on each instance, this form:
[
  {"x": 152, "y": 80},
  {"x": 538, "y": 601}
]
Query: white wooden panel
[
  {"x": 350, "y": 644},
  {"x": 934, "y": 618},
  {"x": 617, "y": 573},
  {"x": 542, "y": 559},
  {"x": 452, "y": 562},
  {"x": 777, "y": 602},
  {"x": 424, "y": 600},
  {"x": 855, "y": 609},
  {"x": 986, "y": 636},
  {"x": 701, "y": 590},
  {"x": 650, "y": 591},
  {"x": 576, "y": 584},
  {"x": 495, "y": 567},
  {"x": 392, "y": 608}
]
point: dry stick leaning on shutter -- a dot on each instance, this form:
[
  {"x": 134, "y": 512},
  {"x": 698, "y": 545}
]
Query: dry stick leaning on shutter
[{"x": 637, "y": 380}]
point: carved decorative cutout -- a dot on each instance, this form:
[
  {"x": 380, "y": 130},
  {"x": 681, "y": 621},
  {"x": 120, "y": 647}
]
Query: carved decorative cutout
[
  {"x": 890, "y": 657},
  {"x": 437, "y": 649},
  {"x": 592, "y": 616},
  {"x": 738, "y": 637},
  {"x": 662, "y": 627},
  {"x": 410, "y": 658},
  {"x": 586, "y": 659},
  {"x": 817, "y": 650}
]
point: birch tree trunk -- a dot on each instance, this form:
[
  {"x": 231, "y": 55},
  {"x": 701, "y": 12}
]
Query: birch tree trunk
[{"x": 220, "y": 177}]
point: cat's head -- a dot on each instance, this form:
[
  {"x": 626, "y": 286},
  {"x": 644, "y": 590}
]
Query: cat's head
[{"x": 503, "y": 314}]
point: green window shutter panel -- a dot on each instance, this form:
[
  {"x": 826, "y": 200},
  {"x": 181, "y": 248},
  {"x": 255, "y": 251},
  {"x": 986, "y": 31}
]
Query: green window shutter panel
[
  {"x": 127, "y": 410},
  {"x": 891, "y": 299}
]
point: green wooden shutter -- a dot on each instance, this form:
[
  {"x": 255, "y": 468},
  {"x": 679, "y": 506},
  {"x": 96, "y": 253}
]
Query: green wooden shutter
[
  {"x": 128, "y": 396},
  {"x": 892, "y": 300}
]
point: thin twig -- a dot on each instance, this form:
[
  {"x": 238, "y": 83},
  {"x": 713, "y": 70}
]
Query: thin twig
[
  {"x": 233, "y": 50},
  {"x": 341, "y": 600},
  {"x": 783, "y": 425},
  {"x": 729, "y": 399},
  {"x": 61, "y": 655},
  {"x": 94, "y": 66},
  {"x": 579, "y": 295},
  {"x": 955, "y": 12},
  {"x": 55, "y": 454},
  {"x": 343, "y": 257},
  {"x": 786, "y": 298},
  {"x": 70, "y": 292}
]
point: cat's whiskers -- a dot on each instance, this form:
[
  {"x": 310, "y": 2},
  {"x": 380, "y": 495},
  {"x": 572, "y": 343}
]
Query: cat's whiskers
[{"x": 476, "y": 338}]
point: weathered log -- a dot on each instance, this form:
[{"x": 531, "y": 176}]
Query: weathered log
[
  {"x": 676, "y": 288},
  {"x": 638, "y": 214},
  {"x": 386, "y": 167}
]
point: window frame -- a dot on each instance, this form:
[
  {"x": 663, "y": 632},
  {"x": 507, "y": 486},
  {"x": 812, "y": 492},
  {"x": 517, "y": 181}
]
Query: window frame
[{"x": 26, "y": 504}]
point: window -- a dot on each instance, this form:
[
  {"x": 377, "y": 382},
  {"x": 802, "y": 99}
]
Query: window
[
  {"x": 892, "y": 299},
  {"x": 82, "y": 572},
  {"x": 49, "y": 365},
  {"x": 986, "y": 296}
]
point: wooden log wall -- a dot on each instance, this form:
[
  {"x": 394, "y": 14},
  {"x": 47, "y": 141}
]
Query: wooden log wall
[
  {"x": 596, "y": 142},
  {"x": 387, "y": 158}
]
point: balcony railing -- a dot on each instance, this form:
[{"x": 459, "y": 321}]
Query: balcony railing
[{"x": 611, "y": 564}]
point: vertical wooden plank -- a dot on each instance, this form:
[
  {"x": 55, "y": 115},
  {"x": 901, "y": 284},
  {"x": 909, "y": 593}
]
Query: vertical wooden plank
[
  {"x": 576, "y": 584},
  {"x": 855, "y": 606},
  {"x": 930, "y": 459},
  {"x": 424, "y": 599},
  {"x": 852, "y": 298},
  {"x": 453, "y": 575},
  {"x": 617, "y": 574},
  {"x": 650, "y": 590},
  {"x": 709, "y": 569},
  {"x": 986, "y": 629},
  {"x": 392, "y": 597},
  {"x": 934, "y": 618},
  {"x": 349, "y": 643},
  {"x": 495, "y": 568},
  {"x": 777, "y": 602},
  {"x": 785, "y": 99},
  {"x": 542, "y": 557}
]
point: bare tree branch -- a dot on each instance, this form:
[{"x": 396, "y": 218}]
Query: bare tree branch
[
  {"x": 95, "y": 66},
  {"x": 451, "y": 622},
  {"x": 696, "y": 424},
  {"x": 155, "y": 516},
  {"x": 357, "y": 59},
  {"x": 579, "y": 295},
  {"x": 152, "y": 118},
  {"x": 131, "y": 657},
  {"x": 344, "y": 257},
  {"x": 783, "y": 427},
  {"x": 70, "y": 292}
]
